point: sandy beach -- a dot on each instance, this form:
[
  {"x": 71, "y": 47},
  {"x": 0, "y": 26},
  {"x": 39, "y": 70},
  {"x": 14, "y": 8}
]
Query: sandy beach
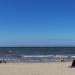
[{"x": 52, "y": 68}]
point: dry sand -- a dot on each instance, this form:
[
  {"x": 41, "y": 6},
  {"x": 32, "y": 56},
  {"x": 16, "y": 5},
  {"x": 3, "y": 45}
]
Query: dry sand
[{"x": 52, "y": 68}]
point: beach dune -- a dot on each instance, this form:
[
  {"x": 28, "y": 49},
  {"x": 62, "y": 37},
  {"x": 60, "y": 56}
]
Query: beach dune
[{"x": 52, "y": 68}]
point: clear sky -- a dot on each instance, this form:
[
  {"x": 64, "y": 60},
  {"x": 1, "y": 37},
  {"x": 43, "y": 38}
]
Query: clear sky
[{"x": 37, "y": 22}]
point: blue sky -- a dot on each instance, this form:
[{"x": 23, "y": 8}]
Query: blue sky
[{"x": 37, "y": 23}]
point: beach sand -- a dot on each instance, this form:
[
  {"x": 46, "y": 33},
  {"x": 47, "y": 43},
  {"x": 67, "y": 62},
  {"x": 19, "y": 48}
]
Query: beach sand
[{"x": 52, "y": 68}]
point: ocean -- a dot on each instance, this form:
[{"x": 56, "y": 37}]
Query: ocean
[{"x": 37, "y": 54}]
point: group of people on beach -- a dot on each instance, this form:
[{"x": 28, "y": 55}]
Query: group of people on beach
[{"x": 3, "y": 61}]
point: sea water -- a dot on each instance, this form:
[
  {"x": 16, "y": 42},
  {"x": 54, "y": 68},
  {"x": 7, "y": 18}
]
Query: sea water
[{"x": 37, "y": 54}]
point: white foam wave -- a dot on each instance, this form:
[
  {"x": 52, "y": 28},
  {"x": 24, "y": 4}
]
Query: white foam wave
[
  {"x": 61, "y": 56},
  {"x": 37, "y": 55},
  {"x": 72, "y": 56},
  {"x": 43, "y": 56}
]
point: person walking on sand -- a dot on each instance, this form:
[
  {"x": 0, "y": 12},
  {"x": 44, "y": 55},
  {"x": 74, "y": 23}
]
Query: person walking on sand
[{"x": 61, "y": 60}]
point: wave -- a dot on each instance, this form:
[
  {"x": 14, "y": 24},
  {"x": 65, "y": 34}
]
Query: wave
[
  {"x": 37, "y": 55},
  {"x": 49, "y": 56},
  {"x": 72, "y": 56},
  {"x": 45, "y": 56},
  {"x": 61, "y": 56}
]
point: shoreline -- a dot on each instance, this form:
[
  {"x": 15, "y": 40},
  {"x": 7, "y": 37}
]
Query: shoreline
[{"x": 35, "y": 61}]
